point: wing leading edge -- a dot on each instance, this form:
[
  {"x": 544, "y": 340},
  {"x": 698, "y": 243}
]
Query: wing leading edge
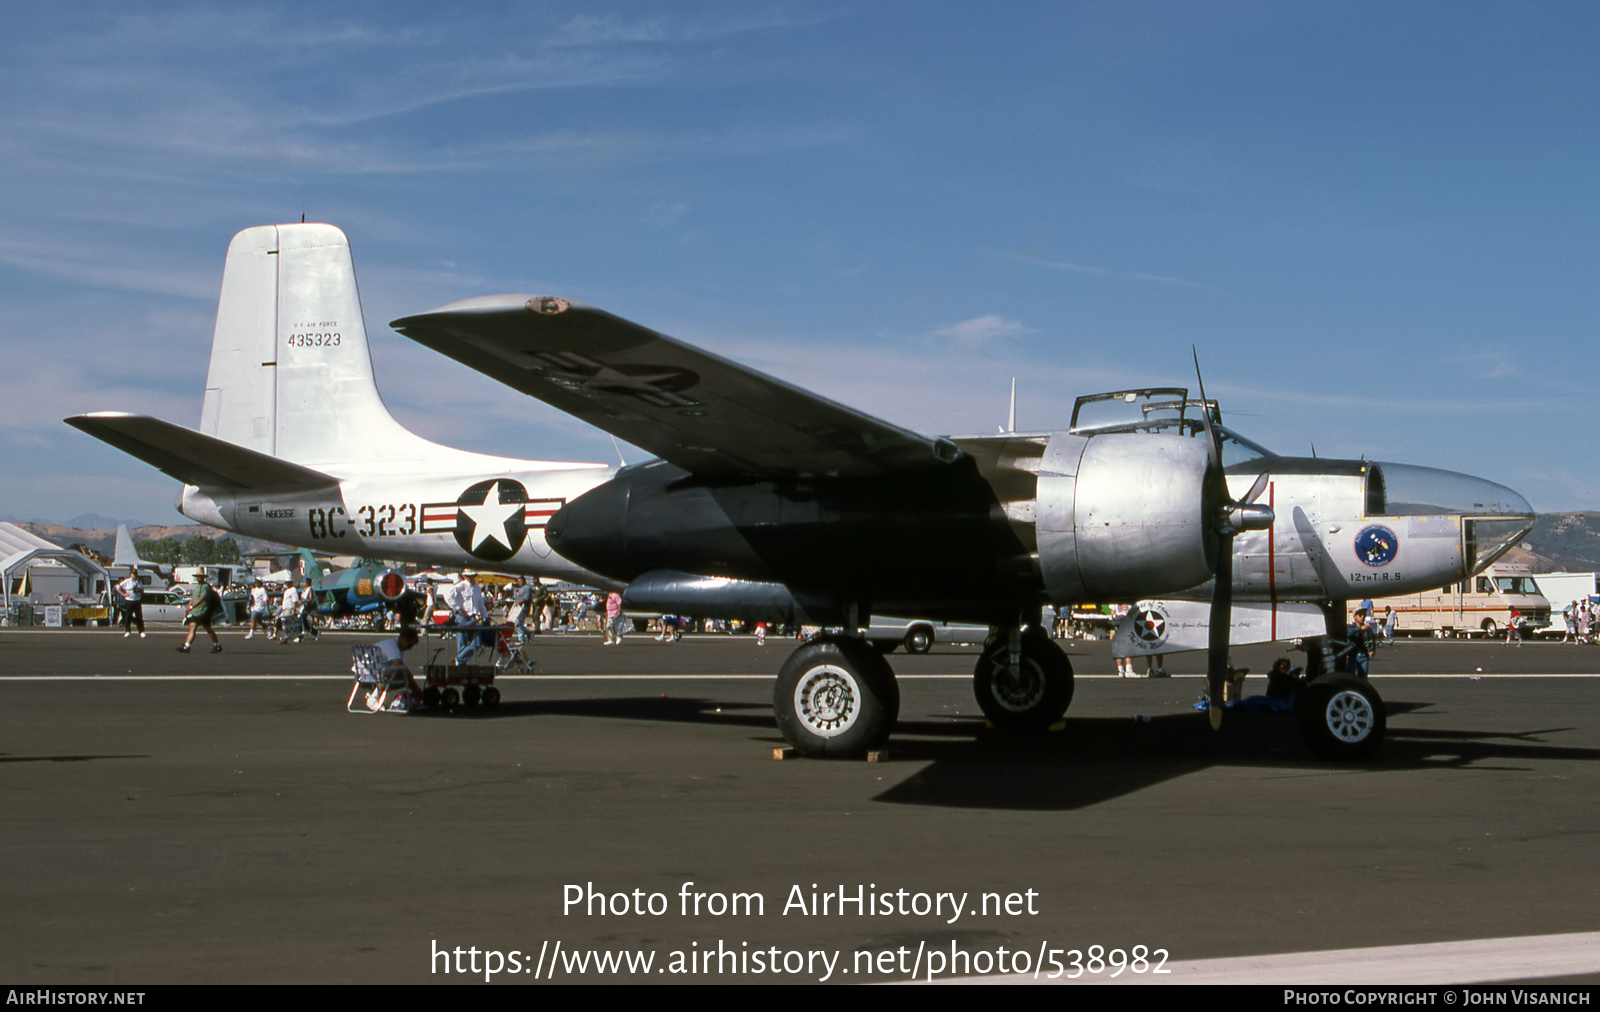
[{"x": 702, "y": 412}]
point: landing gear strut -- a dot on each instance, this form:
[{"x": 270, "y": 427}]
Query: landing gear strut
[
  {"x": 1341, "y": 716},
  {"x": 836, "y": 697},
  {"x": 1030, "y": 694}
]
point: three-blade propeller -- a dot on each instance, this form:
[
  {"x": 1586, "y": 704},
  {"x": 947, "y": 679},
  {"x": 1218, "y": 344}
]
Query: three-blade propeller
[{"x": 1226, "y": 518}]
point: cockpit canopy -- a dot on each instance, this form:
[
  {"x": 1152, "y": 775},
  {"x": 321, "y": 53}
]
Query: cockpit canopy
[{"x": 1160, "y": 409}]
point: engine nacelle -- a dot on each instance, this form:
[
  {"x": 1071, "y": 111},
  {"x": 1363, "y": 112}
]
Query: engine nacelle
[{"x": 1120, "y": 515}]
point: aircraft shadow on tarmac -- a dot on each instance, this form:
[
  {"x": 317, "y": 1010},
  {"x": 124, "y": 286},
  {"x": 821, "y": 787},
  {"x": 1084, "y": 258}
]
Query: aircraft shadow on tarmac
[
  {"x": 1093, "y": 759},
  {"x": 63, "y": 758}
]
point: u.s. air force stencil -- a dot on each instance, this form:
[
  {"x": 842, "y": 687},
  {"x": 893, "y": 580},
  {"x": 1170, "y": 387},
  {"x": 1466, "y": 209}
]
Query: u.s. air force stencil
[{"x": 490, "y": 520}]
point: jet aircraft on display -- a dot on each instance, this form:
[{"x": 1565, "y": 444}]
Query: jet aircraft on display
[
  {"x": 768, "y": 502},
  {"x": 370, "y": 588}
]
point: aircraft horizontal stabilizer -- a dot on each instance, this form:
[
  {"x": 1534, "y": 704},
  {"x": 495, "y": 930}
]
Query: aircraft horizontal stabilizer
[
  {"x": 195, "y": 458},
  {"x": 702, "y": 412}
]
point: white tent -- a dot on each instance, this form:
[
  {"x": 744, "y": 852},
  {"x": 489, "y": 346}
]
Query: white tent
[{"x": 21, "y": 551}]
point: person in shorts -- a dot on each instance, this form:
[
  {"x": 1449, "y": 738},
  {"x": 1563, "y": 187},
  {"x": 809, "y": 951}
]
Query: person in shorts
[
  {"x": 260, "y": 605},
  {"x": 205, "y": 607}
]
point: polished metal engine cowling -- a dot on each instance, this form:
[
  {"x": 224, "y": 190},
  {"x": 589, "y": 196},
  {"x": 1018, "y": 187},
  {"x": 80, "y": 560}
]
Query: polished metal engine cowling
[{"x": 1121, "y": 516}]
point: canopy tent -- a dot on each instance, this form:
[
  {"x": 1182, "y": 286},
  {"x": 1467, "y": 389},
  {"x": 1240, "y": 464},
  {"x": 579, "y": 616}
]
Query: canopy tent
[{"x": 20, "y": 550}]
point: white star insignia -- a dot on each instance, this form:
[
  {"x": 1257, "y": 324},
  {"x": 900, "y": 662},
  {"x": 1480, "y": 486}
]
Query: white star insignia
[{"x": 489, "y": 520}]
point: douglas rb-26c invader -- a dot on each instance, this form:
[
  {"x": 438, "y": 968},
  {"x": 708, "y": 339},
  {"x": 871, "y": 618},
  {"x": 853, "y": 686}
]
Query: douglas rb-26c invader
[{"x": 770, "y": 502}]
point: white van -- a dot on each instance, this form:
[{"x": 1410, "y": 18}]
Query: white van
[
  {"x": 1562, "y": 590},
  {"x": 1478, "y": 606}
]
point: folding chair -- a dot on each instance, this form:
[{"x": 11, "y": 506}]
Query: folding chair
[{"x": 379, "y": 687}]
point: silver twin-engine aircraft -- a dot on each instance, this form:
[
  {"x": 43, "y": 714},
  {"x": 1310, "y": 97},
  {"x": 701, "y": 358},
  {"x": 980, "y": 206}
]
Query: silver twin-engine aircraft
[{"x": 771, "y": 503}]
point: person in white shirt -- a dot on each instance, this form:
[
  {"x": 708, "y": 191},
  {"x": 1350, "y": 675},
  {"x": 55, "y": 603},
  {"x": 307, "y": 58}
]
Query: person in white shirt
[
  {"x": 468, "y": 608},
  {"x": 394, "y": 656},
  {"x": 258, "y": 608},
  {"x": 288, "y": 608},
  {"x": 132, "y": 592}
]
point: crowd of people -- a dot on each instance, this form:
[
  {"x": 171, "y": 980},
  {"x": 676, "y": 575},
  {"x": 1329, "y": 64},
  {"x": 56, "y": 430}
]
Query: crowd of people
[{"x": 1582, "y": 620}]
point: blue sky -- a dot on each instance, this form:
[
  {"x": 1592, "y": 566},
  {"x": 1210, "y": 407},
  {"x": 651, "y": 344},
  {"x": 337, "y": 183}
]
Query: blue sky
[{"x": 1377, "y": 222}]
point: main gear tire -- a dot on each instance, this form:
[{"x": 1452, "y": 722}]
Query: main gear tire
[
  {"x": 1341, "y": 717},
  {"x": 836, "y": 698},
  {"x": 1028, "y": 700}
]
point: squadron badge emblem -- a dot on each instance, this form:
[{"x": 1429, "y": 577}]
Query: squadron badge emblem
[{"x": 1376, "y": 546}]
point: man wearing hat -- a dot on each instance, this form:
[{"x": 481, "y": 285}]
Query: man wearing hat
[{"x": 205, "y": 604}]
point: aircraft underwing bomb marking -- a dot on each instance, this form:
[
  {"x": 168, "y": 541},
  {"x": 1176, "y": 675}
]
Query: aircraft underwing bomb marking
[{"x": 772, "y": 503}]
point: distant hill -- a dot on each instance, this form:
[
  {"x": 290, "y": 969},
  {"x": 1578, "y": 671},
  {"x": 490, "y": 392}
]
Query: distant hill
[
  {"x": 94, "y": 521},
  {"x": 1561, "y": 543},
  {"x": 104, "y": 540}
]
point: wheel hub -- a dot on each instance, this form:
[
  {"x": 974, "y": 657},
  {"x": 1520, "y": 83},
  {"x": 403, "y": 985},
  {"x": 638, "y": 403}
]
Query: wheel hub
[
  {"x": 1349, "y": 716},
  {"x": 827, "y": 701},
  {"x": 1019, "y": 689}
]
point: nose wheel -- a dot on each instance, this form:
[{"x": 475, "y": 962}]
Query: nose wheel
[{"x": 1341, "y": 717}]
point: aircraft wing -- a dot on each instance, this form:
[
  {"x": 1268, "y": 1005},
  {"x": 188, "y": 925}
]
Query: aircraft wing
[
  {"x": 195, "y": 458},
  {"x": 708, "y": 415}
]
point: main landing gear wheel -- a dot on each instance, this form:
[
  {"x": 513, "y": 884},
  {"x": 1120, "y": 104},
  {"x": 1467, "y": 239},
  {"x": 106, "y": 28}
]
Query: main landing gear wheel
[
  {"x": 836, "y": 698},
  {"x": 1341, "y": 717},
  {"x": 1028, "y": 700}
]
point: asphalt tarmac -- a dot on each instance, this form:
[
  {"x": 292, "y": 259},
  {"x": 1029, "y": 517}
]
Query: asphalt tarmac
[{"x": 222, "y": 818}]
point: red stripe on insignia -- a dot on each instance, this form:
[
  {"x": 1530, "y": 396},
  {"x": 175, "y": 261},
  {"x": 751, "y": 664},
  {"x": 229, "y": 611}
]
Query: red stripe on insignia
[
  {"x": 438, "y": 517},
  {"x": 535, "y": 514}
]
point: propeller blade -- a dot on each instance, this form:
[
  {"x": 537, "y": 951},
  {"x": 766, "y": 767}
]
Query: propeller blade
[
  {"x": 1259, "y": 487},
  {"x": 1213, "y": 438},
  {"x": 1220, "y": 620}
]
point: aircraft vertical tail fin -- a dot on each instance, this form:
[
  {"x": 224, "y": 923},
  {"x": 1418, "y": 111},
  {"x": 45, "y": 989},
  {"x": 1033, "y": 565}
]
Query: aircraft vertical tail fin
[
  {"x": 290, "y": 372},
  {"x": 124, "y": 554}
]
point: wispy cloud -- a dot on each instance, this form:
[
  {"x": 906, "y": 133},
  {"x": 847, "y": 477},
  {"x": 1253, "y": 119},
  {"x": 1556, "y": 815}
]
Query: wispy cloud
[
  {"x": 982, "y": 330},
  {"x": 1493, "y": 364},
  {"x": 1101, "y": 272},
  {"x": 590, "y": 29},
  {"x": 666, "y": 212},
  {"x": 264, "y": 92},
  {"x": 95, "y": 266}
]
